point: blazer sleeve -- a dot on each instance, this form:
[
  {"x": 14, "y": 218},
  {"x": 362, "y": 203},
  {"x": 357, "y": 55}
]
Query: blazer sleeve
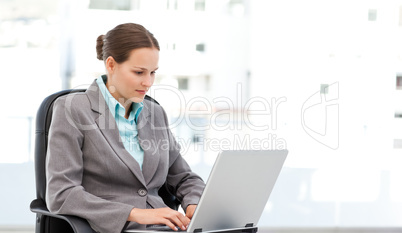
[
  {"x": 187, "y": 186},
  {"x": 65, "y": 193}
]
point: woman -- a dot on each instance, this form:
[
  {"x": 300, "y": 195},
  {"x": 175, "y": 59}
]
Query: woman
[{"x": 110, "y": 150}]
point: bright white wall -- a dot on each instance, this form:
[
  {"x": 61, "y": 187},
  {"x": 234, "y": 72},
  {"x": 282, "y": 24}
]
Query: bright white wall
[{"x": 343, "y": 150}]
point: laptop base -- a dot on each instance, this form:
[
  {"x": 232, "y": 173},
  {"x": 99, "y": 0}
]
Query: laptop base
[{"x": 236, "y": 230}]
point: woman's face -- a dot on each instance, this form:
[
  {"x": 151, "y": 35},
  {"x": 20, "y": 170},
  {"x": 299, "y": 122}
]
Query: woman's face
[{"x": 129, "y": 81}]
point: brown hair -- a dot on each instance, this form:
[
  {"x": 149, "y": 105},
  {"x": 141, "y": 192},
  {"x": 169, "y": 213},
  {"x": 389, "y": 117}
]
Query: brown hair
[{"x": 122, "y": 39}]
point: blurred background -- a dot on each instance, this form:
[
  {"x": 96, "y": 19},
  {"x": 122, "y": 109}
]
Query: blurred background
[{"x": 321, "y": 78}]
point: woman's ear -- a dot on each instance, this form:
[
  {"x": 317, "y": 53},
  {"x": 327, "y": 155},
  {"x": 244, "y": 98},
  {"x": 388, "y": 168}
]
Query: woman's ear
[{"x": 110, "y": 64}]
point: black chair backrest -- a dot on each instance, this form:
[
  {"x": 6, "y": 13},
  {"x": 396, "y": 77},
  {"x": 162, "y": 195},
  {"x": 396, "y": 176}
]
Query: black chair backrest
[{"x": 43, "y": 120}]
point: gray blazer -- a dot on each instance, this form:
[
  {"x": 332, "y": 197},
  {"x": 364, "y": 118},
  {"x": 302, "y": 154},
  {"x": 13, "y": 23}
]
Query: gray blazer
[{"x": 91, "y": 175}]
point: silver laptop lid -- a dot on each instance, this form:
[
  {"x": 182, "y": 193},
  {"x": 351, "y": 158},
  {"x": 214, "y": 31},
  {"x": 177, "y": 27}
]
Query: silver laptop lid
[{"x": 238, "y": 189}]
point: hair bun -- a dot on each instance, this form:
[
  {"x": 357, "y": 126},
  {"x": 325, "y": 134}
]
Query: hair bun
[{"x": 99, "y": 47}]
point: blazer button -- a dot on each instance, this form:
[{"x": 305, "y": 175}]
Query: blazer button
[{"x": 142, "y": 192}]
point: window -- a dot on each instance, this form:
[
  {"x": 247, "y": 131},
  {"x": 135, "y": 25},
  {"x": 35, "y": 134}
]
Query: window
[
  {"x": 400, "y": 16},
  {"x": 236, "y": 8},
  {"x": 110, "y": 4},
  {"x": 372, "y": 15},
  {"x": 324, "y": 89},
  {"x": 199, "y": 5},
  {"x": 183, "y": 83},
  {"x": 200, "y": 47},
  {"x": 171, "y": 4},
  {"x": 399, "y": 82}
]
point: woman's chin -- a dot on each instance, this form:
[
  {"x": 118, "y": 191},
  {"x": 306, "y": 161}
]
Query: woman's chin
[{"x": 137, "y": 99}]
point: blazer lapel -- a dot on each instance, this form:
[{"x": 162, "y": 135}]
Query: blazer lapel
[
  {"x": 146, "y": 137},
  {"x": 107, "y": 125}
]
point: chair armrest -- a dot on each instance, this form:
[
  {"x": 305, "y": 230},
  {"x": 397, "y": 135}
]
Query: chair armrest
[{"x": 78, "y": 225}]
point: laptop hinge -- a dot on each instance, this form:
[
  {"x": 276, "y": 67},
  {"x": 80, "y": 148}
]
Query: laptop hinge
[
  {"x": 197, "y": 230},
  {"x": 249, "y": 228}
]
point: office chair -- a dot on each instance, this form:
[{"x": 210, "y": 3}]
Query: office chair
[{"x": 47, "y": 222}]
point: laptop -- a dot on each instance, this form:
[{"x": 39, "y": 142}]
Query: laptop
[{"x": 237, "y": 190}]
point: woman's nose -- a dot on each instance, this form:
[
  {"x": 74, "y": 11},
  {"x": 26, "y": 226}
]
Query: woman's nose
[{"x": 148, "y": 81}]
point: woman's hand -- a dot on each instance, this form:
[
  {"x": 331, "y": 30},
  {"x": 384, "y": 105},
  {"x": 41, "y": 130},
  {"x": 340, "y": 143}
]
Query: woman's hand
[
  {"x": 166, "y": 216},
  {"x": 190, "y": 211}
]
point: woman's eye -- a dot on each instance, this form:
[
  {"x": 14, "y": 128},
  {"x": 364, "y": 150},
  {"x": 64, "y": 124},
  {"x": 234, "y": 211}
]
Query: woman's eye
[
  {"x": 153, "y": 72},
  {"x": 138, "y": 72}
]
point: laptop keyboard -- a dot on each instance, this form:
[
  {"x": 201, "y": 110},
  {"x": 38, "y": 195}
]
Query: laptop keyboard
[{"x": 157, "y": 227}]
